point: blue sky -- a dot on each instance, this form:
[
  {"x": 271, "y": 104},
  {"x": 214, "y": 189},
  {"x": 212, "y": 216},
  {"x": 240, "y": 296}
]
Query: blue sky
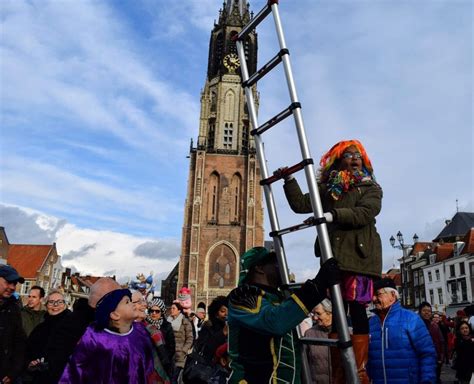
[{"x": 99, "y": 101}]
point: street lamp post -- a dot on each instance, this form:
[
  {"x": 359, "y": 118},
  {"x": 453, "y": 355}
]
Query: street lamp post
[{"x": 404, "y": 247}]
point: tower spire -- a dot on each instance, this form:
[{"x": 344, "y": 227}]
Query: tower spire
[
  {"x": 241, "y": 5},
  {"x": 234, "y": 13}
]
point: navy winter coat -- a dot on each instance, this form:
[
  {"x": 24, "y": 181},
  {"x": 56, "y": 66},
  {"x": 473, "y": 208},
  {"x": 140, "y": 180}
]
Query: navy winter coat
[{"x": 401, "y": 350}]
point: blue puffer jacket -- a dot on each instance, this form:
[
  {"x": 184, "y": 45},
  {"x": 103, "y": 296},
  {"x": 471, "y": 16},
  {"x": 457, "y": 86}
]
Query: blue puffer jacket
[{"x": 400, "y": 349}]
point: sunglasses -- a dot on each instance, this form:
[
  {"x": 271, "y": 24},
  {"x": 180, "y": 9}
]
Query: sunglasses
[
  {"x": 154, "y": 311},
  {"x": 349, "y": 155}
]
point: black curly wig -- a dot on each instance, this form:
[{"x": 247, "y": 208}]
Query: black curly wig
[{"x": 215, "y": 305}]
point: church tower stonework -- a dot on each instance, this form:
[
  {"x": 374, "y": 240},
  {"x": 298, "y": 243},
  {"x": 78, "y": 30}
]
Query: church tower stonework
[{"x": 223, "y": 214}]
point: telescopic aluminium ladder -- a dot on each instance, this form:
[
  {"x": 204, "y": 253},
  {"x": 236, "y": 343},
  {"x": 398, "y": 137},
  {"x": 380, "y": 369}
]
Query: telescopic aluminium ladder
[{"x": 344, "y": 341}]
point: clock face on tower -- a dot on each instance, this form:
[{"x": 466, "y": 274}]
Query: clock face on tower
[{"x": 231, "y": 62}]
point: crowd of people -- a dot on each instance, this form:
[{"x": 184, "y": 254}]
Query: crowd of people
[
  {"x": 113, "y": 336},
  {"x": 117, "y": 336},
  {"x": 250, "y": 336}
]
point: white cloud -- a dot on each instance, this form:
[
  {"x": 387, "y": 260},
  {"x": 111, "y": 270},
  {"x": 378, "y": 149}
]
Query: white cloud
[
  {"x": 62, "y": 191},
  {"x": 108, "y": 250},
  {"x": 90, "y": 251}
]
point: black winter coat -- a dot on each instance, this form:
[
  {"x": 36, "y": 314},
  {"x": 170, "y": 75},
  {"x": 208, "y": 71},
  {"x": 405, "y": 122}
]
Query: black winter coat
[
  {"x": 211, "y": 337},
  {"x": 41, "y": 338},
  {"x": 12, "y": 340},
  {"x": 168, "y": 335},
  {"x": 464, "y": 354},
  {"x": 68, "y": 334}
]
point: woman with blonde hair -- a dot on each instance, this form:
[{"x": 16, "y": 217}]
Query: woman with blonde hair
[{"x": 44, "y": 335}]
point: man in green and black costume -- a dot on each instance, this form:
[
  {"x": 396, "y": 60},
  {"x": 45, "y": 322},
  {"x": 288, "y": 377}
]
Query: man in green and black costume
[{"x": 263, "y": 344}]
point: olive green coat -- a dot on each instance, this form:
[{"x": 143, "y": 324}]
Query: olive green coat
[
  {"x": 31, "y": 319},
  {"x": 355, "y": 243}
]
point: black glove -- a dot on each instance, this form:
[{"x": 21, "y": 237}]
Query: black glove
[
  {"x": 313, "y": 291},
  {"x": 282, "y": 173},
  {"x": 329, "y": 274}
]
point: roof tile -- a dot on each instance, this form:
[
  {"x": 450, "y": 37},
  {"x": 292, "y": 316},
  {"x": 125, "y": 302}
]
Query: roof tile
[
  {"x": 444, "y": 251},
  {"x": 27, "y": 259}
]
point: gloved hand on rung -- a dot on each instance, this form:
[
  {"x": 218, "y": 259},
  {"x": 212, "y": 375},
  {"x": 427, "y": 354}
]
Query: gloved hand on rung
[
  {"x": 329, "y": 274},
  {"x": 328, "y": 216},
  {"x": 281, "y": 173}
]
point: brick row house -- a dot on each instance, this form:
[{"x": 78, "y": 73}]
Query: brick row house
[
  {"x": 449, "y": 276},
  {"x": 75, "y": 285},
  {"x": 442, "y": 271},
  {"x": 39, "y": 264}
]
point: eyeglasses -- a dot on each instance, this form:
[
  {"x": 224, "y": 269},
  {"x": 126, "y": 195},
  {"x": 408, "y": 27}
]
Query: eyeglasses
[
  {"x": 380, "y": 293},
  {"x": 154, "y": 311},
  {"x": 139, "y": 301},
  {"x": 55, "y": 303},
  {"x": 350, "y": 155}
]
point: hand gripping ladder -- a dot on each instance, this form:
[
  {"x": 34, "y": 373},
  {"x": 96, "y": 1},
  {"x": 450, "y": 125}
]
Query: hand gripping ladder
[{"x": 344, "y": 342}]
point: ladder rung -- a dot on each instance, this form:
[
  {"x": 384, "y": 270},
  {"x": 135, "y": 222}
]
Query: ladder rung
[
  {"x": 289, "y": 287},
  {"x": 288, "y": 171},
  {"x": 256, "y": 20},
  {"x": 305, "y": 224},
  {"x": 275, "y": 119},
  {"x": 320, "y": 341},
  {"x": 266, "y": 68}
]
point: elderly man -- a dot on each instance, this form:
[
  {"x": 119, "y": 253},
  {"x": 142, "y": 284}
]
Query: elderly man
[
  {"x": 262, "y": 342},
  {"x": 12, "y": 335},
  {"x": 400, "y": 350}
]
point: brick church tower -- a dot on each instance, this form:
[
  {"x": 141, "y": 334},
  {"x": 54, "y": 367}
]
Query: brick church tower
[{"x": 223, "y": 215}]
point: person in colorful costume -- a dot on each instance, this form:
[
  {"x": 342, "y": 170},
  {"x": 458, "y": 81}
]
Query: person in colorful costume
[
  {"x": 401, "y": 350},
  {"x": 116, "y": 349},
  {"x": 351, "y": 199},
  {"x": 263, "y": 343}
]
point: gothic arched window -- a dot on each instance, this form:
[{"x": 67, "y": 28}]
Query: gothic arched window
[
  {"x": 218, "y": 50},
  {"x": 213, "y": 101},
  {"x": 213, "y": 198},
  {"x": 222, "y": 271},
  {"x": 232, "y": 45},
  {"x": 235, "y": 188},
  {"x": 211, "y": 133},
  {"x": 229, "y": 106}
]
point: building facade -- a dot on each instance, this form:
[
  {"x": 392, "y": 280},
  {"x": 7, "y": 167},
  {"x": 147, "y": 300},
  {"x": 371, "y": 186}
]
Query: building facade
[
  {"x": 4, "y": 246},
  {"x": 38, "y": 264},
  {"x": 75, "y": 285},
  {"x": 223, "y": 213},
  {"x": 449, "y": 276},
  {"x": 441, "y": 271}
]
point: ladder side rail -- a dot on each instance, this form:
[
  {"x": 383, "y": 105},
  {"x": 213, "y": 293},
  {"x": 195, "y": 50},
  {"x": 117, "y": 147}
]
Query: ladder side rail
[
  {"x": 349, "y": 363},
  {"x": 269, "y": 198}
]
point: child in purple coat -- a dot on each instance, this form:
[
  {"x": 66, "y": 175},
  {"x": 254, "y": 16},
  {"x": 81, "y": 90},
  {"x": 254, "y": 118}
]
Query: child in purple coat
[{"x": 115, "y": 349}]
